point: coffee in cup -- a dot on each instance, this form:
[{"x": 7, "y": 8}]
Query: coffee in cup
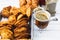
[{"x": 42, "y": 18}]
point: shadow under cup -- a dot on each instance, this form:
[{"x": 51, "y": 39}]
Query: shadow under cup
[{"x": 41, "y": 25}]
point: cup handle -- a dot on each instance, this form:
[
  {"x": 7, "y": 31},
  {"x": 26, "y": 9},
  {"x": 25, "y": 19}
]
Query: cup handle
[
  {"x": 38, "y": 8},
  {"x": 53, "y": 19},
  {"x": 41, "y": 8}
]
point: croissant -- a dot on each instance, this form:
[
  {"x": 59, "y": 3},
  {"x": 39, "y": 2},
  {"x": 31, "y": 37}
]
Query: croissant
[
  {"x": 20, "y": 16},
  {"x": 28, "y": 12},
  {"x": 6, "y": 34},
  {"x": 29, "y": 2},
  {"x": 23, "y": 10},
  {"x": 6, "y": 11},
  {"x": 12, "y": 19},
  {"x": 35, "y": 3},
  {"x": 14, "y": 11},
  {"x": 18, "y": 32},
  {"x": 22, "y": 2}
]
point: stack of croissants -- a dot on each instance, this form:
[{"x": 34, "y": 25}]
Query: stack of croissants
[{"x": 18, "y": 24}]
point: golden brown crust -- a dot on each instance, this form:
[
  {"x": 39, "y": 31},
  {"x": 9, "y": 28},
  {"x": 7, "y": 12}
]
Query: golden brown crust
[
  {"x": 20, "y": 16},
  {"x": 14, "y": 11},
  {"x": 21, "y": 29},
  {"x": 6, "y": 34},
  {"x": 7, "y": 27},
  {"x": 35, "y": 3},
  {"x": 21, "y": 21},
  {"x": 5, "y": 24},
  {"x": 23, "y": 10},
  {"x": 6, "y": 11},
  {"x": 12, "y": 19},
  {"x": 17, "y": 34},
  {"x": 22, "y": 2},
  {"x": 17, "y": 31},
  {"x": 23, "y": 36},
  {"x": 20, "y": 24},
  {"x": 29, "y": 2},
  {"x": 28, "y": 12}
]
